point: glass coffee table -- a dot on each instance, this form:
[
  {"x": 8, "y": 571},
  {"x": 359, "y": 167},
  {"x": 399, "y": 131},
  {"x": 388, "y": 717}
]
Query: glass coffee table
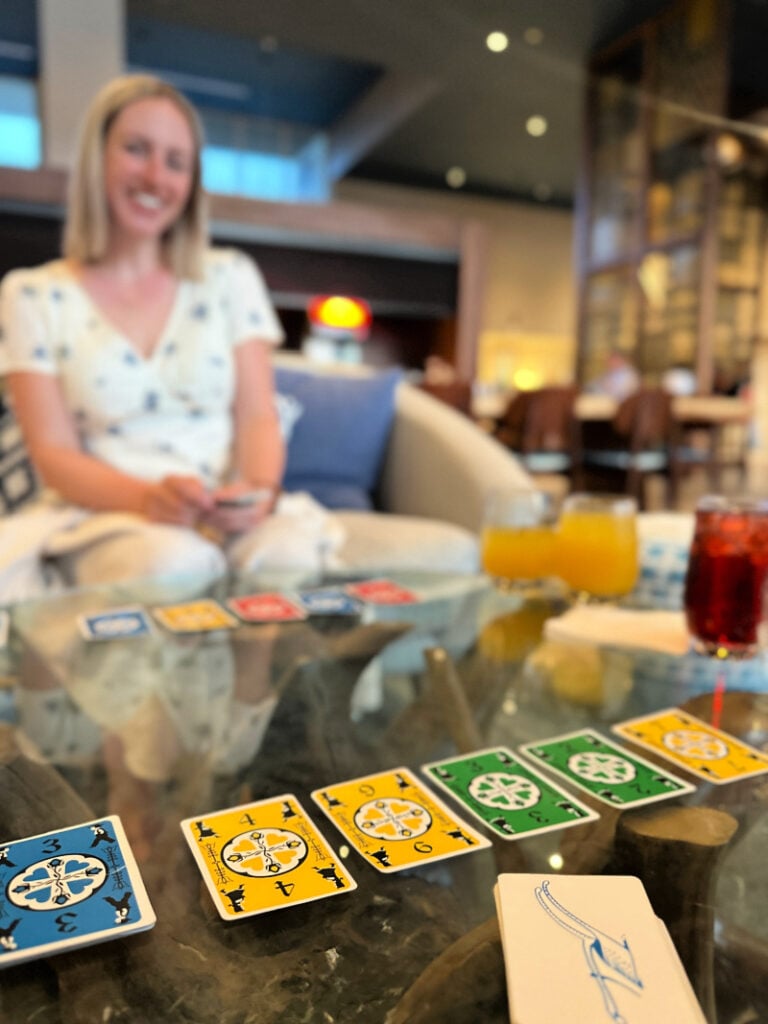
[{"x": 164, "y": 727}]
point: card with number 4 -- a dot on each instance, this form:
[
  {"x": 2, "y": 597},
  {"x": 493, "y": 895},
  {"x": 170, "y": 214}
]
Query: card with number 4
[
  {"x": 68, "y": 888},
  {"x": 263, "y": 856},
  {"x": 604, "y": 770},
  {"x": 394, "y": 822},
  {"x": 506, "y": 794},
  {"x": 700, "y": 748}
]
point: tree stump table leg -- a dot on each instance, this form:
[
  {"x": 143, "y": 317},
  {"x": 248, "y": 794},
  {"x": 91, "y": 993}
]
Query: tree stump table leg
[{"x": 675, "y": 852}]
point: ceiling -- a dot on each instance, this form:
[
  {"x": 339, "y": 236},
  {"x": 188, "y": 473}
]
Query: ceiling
[{"x": 405, "y": 88}]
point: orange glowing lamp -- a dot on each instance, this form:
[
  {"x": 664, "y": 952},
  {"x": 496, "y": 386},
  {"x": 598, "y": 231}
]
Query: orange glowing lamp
[{"x": 340, "y": 316}]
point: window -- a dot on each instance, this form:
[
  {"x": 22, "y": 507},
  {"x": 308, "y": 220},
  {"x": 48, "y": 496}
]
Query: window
[{"x": 20, "y": 137}]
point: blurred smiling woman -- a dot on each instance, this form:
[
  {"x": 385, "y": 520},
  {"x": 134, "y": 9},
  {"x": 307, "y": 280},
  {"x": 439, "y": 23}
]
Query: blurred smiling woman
[{"x": 139, "y": 368}]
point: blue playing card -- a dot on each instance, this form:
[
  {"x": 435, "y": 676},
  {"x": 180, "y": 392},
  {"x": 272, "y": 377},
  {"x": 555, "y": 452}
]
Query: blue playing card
[
  {"x": 68, "y": 888},
  {"x": 115, "y": 624},
  {"x": 329, "y": 601}
]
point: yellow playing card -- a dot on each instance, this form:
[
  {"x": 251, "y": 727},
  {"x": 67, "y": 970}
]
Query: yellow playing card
[
  {"x": 700, "y": 748},
  {"x": 195, "y": 617},
  {"x": 395, "y": 822},
  {"x": 262, "y": 856}
]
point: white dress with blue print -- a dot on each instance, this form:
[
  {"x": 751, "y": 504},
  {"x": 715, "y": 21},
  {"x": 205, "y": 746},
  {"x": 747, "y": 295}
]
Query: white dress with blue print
[{"x": 167, "y": 413}]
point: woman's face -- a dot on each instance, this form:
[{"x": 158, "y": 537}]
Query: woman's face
[{"x": 149, "y": 160}]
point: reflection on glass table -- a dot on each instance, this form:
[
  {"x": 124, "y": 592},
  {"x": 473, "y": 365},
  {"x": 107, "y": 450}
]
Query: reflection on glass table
[{"x": 165, "y": 727}]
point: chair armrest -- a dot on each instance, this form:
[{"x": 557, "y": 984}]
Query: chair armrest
[{"x": 441, "y": 465}]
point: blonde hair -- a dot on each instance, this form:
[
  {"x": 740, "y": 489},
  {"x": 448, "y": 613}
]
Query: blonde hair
[{"x": 86, "y": 228}]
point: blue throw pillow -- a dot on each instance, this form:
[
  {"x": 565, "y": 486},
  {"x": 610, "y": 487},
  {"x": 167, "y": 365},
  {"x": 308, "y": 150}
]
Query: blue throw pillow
[{"x": 338, "y": 444}]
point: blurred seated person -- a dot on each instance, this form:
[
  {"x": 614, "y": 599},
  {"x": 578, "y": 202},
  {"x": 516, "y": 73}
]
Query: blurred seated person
[
  {"x": 139, "y": 369},
  {"x": 619, "y": 379}
]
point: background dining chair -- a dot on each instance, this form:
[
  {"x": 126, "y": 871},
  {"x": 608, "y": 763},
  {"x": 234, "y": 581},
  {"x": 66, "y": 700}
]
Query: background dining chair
[
  {"x": 540, "y": 427},
  {"x": 639, "y": 442}
]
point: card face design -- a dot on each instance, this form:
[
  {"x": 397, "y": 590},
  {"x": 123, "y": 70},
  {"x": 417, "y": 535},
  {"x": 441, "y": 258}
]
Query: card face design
[
  {"x": 329, "y": 601},
  {"x": 701, "y": 749},
  {"x": 195, "y": 617},
  {"x": 116, "y": 624},
  {"x": 394, "y": 822},
  {"x": 605, "y": 770},
  {"x": 262, "y": 856},
  {"x": 381, "y": 592},
  {"x": 270, "y": 607},
  {"x": 68, "y": 888},
  {"x": 506, "y": 794},
  {"x": 589, "y": 949}
]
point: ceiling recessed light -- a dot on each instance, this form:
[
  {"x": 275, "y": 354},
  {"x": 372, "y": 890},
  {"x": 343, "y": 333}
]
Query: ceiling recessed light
[
  {"x": 533, "y": 36},
  {"x": 536, "y": 125},
  {"x": 497, "y": 42},
  {"x": 455, "y": 177}
]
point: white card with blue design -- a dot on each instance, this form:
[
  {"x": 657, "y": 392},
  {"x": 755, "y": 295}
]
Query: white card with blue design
[
  {"x": 115, "y": 624},
  {"x": 589, "y": 949},
  {"x": 68, "y": 888}
]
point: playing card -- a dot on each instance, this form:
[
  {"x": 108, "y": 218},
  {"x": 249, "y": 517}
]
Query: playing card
[
  {"x": 586, "y": 949},
  {"x": 117, "y": 623},
  {"x": 271, "y": 607},
  {"x": 381, "y": 591},
  {"x": 395, "y": 822},
  {"x": 67, "y": 888},
  {"x": 262, "y": 856},
  {"x": 605, "y": 770},
  {"x": 506, "y": 794},
  {"x": 329, "y": 601},
  {"x": 201, "y": 616},
  {"x": 701, "y": 749}
]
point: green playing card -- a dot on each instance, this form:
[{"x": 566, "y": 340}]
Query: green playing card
[
  {"x": 506, "y": 794},
  {"x": 605, "y": 770}
]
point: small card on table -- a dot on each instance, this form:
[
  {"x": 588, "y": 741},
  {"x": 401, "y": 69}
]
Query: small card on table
[
  {"x": 328, "y": 601},
  {"x": 115, "y": 624},
  {"x": 587, "y": 949},
  {"x": 700, "y": 748},
  {"x": 605, "y": 770},
  {"x": 202, "y": 616},
  {"x": 506, "y": 795},
  {"x": 270, "y": 607},
  {"x": 68, "y": 888},
  {"x": 263, "y": 856},
  {"x": 394, "y": 822},
  {"x": 381, "y": 591}
]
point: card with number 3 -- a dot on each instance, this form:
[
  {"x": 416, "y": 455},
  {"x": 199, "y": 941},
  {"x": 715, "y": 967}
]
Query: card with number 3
[
  {"x": 395, "y": 822},
  {"x": 262, "y": 856}
]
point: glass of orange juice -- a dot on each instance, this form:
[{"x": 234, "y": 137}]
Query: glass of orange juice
[
  {"x": 596, "y": 549},
  {"x": 518, "y": 539}
]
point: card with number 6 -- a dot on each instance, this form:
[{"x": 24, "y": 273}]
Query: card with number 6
[{"x": 395, "y": 822}]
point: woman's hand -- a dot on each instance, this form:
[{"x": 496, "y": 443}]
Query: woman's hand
[
  {"x": 179, "y": 500},
  {"x": 239, "y": 507}
]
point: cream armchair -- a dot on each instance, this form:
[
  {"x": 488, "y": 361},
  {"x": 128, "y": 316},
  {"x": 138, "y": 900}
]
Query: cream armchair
[{"x": 437, "y": 469}]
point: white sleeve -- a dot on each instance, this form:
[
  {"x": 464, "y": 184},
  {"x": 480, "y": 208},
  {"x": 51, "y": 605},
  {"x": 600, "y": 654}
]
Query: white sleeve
[
  {"x": 253, "y": 315},
  {"x": 25, "y": 335}
]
